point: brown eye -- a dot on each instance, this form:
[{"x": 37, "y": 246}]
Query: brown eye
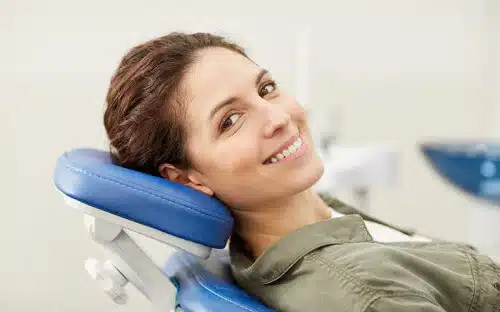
[
  {"x": 267, "y": 88},
  {"x": 229, "y": 122}
]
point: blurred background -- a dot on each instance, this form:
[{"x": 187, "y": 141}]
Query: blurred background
[{"x": 397, "y": 71}]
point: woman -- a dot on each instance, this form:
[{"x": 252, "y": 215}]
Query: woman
[{"x": 194, "y": 109}]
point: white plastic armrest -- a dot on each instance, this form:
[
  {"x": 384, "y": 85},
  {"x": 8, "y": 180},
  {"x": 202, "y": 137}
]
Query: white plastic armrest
[
  {"x": 176, "y": 242},
  {"x": 128, "y": 262},
  {"x": 132, "y": 265}
]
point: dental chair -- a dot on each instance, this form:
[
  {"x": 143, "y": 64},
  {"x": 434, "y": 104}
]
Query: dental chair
[
  {"x": 472, "y": 168},
  {"x": 196, "y": 278}
]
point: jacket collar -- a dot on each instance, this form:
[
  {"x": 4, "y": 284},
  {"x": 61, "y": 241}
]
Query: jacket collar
[
  {"x": 343, "y": 208},
  {"x": 282, "y": 255}
]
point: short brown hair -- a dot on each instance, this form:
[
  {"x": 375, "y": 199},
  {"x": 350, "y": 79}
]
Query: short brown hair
[{"x": 144, "y": 115}]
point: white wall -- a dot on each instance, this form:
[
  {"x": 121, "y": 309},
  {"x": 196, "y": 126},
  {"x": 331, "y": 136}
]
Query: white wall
[
  {"x": 398, "y": 70},
  {"x": 494, "y": 56},
  {"x": 410, "y": 72}
]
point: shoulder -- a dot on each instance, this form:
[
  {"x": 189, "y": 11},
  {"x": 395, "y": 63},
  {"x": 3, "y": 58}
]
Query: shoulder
[
  {"x": 385, "y": 274},
  {"x": 369, "y": 277}
]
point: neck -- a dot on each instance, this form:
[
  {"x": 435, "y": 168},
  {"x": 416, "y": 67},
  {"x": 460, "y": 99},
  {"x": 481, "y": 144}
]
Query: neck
[{"x": 261, "y": 227}]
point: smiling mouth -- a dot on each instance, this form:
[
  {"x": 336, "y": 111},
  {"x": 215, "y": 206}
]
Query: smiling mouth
[{"x": 286, "y": 152}]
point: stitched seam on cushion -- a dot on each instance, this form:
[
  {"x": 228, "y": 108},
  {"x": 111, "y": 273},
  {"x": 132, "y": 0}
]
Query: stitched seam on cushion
[
  {"x": 200, "y": 281},
  {"x": 142, "y": 191}
]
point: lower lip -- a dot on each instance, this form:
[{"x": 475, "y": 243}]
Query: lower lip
[{"x": 298, "y": 153}]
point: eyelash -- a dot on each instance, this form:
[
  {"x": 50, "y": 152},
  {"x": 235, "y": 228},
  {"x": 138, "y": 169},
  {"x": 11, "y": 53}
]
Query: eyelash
[{"x": 267, "y": 83}]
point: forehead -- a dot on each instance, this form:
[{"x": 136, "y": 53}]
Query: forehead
[
  {"x": 217, "y": 74},
  {"x": 213, "y": 65}
]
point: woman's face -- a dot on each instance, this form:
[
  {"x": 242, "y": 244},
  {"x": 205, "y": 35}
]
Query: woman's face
[{"x": 247, "y": 140}]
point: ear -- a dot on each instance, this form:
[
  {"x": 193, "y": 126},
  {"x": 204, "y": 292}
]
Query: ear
[{"x": 174, "y": 174}]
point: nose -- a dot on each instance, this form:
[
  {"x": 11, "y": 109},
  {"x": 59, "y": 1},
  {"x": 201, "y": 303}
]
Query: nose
[{"x": 277, "y": 119}]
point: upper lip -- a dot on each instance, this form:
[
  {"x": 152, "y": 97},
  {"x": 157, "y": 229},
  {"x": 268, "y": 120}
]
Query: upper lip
[{"x": 286, "y": 144}]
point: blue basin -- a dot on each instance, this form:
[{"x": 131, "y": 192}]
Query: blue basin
[{"x": 474, "y": 167}]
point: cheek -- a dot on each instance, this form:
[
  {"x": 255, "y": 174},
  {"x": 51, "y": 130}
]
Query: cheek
[
  {"x": 295, "y": 110},
  {"x": 227, "y": 160},
  {"x": 237, "y": 157},
  {"x": 300, "y": 113}
]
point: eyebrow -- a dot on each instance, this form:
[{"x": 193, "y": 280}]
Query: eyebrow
[{"x": 232, "y": 99}]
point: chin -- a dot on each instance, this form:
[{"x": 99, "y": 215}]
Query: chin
[{"x": 310, "y": 176}]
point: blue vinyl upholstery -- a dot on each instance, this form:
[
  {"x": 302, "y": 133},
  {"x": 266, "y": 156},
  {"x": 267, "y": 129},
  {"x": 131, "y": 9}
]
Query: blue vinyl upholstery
[
  {"x": 89, "y": 176},
  {"x": 201, "y": 290}
]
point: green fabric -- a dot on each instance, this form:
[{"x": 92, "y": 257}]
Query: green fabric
[{"x": 335, "y": 265}]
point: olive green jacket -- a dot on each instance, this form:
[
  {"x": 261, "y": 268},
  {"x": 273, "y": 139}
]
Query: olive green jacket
[{"x": 336, "y": 266}]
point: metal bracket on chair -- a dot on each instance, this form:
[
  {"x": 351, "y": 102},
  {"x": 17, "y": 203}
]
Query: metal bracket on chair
[{"x": 128, "y": 263}]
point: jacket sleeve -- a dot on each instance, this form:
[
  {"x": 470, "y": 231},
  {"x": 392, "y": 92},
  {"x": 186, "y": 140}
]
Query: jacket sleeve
[{"x": 403, "y": 303}]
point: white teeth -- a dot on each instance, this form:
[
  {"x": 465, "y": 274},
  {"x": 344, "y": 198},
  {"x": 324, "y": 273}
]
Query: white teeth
[{"x": 288, "y": 151}]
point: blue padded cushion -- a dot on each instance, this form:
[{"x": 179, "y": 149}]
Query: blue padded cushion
[
  {"x": 200, "y": 290},
  {"x": 89, "y": 176}
]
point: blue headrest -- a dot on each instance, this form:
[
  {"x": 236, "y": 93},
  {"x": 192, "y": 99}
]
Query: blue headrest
[
  {"x": 472, "y": 167},
  {"x": 89, "y": 176}
]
